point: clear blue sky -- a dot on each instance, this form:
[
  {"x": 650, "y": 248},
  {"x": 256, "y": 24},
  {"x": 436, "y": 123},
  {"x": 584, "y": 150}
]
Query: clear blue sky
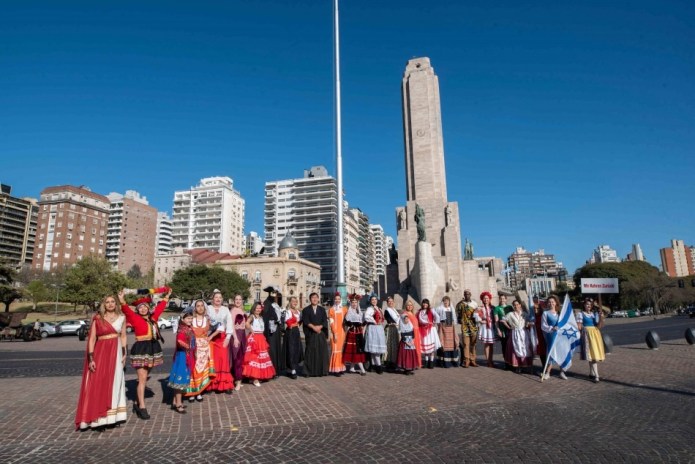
[{"x": 566, "y": 124}]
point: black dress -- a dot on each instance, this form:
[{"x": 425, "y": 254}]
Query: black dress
[
  {"x": 292, "y": 341},
  {"x": 392, "y": 341},
  {"x": 316, "y": 352}
]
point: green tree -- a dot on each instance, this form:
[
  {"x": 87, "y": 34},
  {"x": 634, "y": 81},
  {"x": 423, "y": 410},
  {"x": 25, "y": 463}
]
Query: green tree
[
  {"x": 8, "y": 291},
  {"x": 90, "y": 280},
  {"x": 200, "y": 280},
  {"x": 633, "y": 278},
  {"x": 134, "y": 273},
  {"x": 36, "y": 290}
]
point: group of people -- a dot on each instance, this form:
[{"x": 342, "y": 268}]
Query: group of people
[{"x": 218, "y": 346}]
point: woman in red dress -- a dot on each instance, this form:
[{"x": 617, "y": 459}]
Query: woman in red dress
[
  {"x": 102, "y": 399},
  {"x": 257, "y": 363},
  {"x": 146, "y": 353}
]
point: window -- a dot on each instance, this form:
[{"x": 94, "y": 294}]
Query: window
[{"x": 258, "y": 276}]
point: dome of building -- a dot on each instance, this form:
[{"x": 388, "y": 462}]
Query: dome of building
[{"x": 288, "y": 242}]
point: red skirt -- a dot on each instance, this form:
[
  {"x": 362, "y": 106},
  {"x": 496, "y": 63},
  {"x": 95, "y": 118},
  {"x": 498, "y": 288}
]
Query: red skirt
[
  {"x": 257, "y": 362},
  {"x": 223, "y": 379},
  {"x": 353, "y": 352},
  {"x": 407, "y": 358}
]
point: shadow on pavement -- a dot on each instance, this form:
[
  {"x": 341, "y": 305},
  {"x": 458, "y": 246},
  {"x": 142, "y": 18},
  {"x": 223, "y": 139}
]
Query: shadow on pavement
[{"x": 645, "y": 387}]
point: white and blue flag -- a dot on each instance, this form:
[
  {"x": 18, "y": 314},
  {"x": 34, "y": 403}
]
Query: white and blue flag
[{"x": 567, "y": 338}]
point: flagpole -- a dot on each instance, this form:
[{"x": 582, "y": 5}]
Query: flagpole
[{"x": 340, "y": 284}]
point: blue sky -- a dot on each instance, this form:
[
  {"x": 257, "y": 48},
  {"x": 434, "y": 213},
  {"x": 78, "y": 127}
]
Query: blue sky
[{"x": 566, "y": 124}]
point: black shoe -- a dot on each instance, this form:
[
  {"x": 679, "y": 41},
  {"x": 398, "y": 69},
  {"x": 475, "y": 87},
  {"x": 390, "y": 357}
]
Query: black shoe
[
  {"x": 229, "y": 391},
  {"x": 144, "y": 415},
  {"x": 379, "y": 370},
  {"x": 293, "y": 376},
  {"x": 430, "y": 364}
]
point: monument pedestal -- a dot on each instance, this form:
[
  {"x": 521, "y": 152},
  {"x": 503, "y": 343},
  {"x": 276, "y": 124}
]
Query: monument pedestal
[{"x": 427, "y": 276}]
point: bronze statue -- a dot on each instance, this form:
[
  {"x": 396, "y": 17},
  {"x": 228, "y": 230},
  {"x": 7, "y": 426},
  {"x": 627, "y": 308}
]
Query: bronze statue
[{"x": 420, "y": 220}]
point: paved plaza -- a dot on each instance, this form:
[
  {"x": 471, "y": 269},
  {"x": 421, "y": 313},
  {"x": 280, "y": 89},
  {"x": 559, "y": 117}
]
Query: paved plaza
[{"x": 643, "y": 410}]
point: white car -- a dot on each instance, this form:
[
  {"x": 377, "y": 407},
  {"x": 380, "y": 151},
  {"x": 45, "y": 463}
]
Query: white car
[{"x": 166, "y": 323}]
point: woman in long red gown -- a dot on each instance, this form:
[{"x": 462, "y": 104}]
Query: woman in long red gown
[{"x": 102, "y": 400}]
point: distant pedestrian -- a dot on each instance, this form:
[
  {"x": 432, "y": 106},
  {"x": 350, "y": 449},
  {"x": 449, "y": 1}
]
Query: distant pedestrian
[
  {"x": 590, "y": 322},
  {"x": 184, "y": 360},
  {"x": 102, "y": 400}
]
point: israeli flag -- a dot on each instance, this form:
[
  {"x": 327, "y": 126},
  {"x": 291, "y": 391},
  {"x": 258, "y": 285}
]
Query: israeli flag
[{"x": 567, "y": 338}]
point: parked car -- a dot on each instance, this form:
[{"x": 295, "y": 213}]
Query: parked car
[
  {"x": 47, "y": 329},
  {"x": 691, "y": 311},
  {"x": 619, "y": 314},
  {"x": 166, "y": 322},
  {"x": 69, "y": 327}
]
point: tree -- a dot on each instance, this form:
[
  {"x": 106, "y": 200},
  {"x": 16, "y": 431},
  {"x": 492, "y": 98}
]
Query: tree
[
  {"x": 36, "y": 291},
  {"x": 134, "y": 273},
  {"x": 200, "y": 280},
  {"x": 8, "y": 291},
  {"x": 90, "y": 280},
  {"x": 633, "y": 278}
]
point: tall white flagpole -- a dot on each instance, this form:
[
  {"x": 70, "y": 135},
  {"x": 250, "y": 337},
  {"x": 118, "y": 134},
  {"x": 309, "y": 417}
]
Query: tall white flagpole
[{"x": 340, "y": 284}]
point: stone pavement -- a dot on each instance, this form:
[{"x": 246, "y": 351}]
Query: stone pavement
[{"x": 642, "y": 411}]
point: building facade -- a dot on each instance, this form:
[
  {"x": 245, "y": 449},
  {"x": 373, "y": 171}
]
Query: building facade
[
  {"x": 288, "y": 272},
  {"x": 677, "y": 261},
  {"x": 253, "y": 244},
  {"x": 636, "y": 253},
  {"x": 72, "y": 224},
  {"x": 165, "y": 243},
  {"x": 209, "y": 216},
  {"x": 18, "y": 221},
  {"x": 523, "y": 265},
  {"x": 604, "y": 254},
  {"x": 131, "y": 239},
  {"x": 307, "y": 208}
]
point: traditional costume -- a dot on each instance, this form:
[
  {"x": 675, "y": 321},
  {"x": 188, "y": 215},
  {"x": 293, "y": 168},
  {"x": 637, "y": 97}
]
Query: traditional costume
[
  {"x": 354, "y": 339},
  {"x": 257, "y": 362},
  {"x": 293, "y": 340},
  {"x": 392, "y": 338},
  {"x": 102, "y": 398},
  {"x": 408, "y": 358},
  {"x": 316, "y": 351},
  {"x": 465, "y": 311},
  {"x": 272, "y": 314},
  {"x": 204, "y": 368},
  {"x": 498, "y": 314},
  {"x": 237, "y": 353},
  {"x": 448, "y": 353},
  {"x": 374, "y": 336},
  {"x": 221, "y": 320},
  {"x": 592, "y": 348},
  {"x": 147, "y": 351},
  {"x": 429, "y": 339},
  {"x": 519, "y": 349},
  {"x": 184, "y": 359},
  {"x": 336, "y": 316}
]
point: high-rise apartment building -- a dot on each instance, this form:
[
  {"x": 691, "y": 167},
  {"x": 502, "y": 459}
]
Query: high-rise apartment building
[
  {"x": 522, "y": 265},
  {"x": 164, "y": 234},
  {"x": 209, "y": 216},
  {"x": 352, "y": 243},
  {"x": 677, "y": 261},
  {"x": 131, "y": 238},
  {"x": 253, "y": 243},
  {"x": 604, "y": 254},
  {"x": 636, "y": 253},
  {"x": 381, "y": 251},
  {"x": 72, "y": 223},
  {"x": 308, "y": 208},
  {"x": 18, "y": 218},
  {"x": 365, "y": 255}
]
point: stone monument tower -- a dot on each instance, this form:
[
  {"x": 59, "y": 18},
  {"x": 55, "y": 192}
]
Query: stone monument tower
[{"x": 429, "y": 264}]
